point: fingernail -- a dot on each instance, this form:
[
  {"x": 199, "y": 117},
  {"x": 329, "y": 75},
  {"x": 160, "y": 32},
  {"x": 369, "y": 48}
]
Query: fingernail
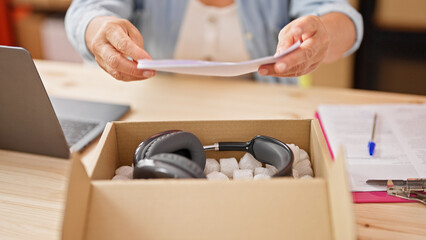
[
  {"x": 280, "y": 67},
  {"x": 263, "y": 71},
  {"x": 148, "y": 74}
]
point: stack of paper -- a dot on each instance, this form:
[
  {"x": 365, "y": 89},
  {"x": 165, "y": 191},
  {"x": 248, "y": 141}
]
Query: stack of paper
[{"x": 207, "y": 68}]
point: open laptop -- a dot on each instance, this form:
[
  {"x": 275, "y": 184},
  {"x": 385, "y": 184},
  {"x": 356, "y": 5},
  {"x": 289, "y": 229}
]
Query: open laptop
[{"x": 32, "y": 122}]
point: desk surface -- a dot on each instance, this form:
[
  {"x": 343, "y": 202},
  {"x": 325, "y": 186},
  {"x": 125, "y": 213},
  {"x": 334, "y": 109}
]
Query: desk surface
[{"x": 32, "y": 193}]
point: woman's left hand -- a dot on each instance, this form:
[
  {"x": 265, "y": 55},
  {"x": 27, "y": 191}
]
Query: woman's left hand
[{"x": 315, "y": 43}]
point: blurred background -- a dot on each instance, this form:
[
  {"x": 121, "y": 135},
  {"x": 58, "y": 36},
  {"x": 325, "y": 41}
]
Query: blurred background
[{"x": 392, "y": 56}]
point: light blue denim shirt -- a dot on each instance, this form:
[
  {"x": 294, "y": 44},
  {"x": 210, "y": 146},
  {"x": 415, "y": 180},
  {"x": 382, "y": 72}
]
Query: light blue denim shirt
[{"x": 160, "y": 20}]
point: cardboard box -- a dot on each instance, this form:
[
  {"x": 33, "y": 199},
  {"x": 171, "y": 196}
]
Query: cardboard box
[
  {"x": 52, "y": 5},
  {"x": 278, "y": 208},
  {"x": 27, "y": 30},
  {"x": 408, "y": 15}
]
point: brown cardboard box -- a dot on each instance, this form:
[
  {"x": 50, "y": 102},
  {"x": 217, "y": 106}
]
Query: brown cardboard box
[
  {"x": 28, "y": 35},
  {"x": 408, "y": 15},
  {"x": 55, "y": 5},
  {"x": 279, "y": 208}
]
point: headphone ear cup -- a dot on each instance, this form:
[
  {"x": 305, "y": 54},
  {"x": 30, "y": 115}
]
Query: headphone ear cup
[
  {"x": 143, "y": 146},
  {"x": 177, "y": 142},
  {"x": 272, "y": 151},
  {"x": 167, "y": 165}
]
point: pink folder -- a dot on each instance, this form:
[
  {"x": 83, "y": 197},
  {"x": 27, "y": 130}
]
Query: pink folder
[{"x": 364, "y": 197}]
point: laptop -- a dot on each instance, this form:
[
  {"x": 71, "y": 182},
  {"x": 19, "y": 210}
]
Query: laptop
[{"x": 32, "y": 122}]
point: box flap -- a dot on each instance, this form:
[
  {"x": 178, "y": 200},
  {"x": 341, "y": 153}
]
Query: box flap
[
  {"x": 107, "y": 150},
  {"x": 341, "y": 206},
  {"x": 76, "y": 202},
  {"x": 338, "y": 188}
]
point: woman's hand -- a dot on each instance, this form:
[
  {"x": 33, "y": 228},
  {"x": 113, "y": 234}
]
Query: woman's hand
[
  {"x": 111, "y": 40},
  {"x": 315, "y": 44}
]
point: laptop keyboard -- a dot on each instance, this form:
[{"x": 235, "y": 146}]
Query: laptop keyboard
[{"x": 74, "y": 130}]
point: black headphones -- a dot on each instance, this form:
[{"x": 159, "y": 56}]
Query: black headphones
[{"x": 180, "y": 154}]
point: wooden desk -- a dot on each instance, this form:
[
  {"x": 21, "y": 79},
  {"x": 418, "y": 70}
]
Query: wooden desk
[{"x": 32, "y": 192}]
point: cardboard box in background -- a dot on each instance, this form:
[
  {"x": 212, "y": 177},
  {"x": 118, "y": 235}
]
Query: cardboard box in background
[
  {"x": 27, "y": 31},
  {"x": 408, "y": 15},
  {"x": 279, "y": 208},
  {"x": 339, "y": 74},
  {"x": 50, "y": 5}
]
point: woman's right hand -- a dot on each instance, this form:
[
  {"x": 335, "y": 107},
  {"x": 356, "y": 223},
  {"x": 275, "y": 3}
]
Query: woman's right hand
[{"x": 111, "y": 40}]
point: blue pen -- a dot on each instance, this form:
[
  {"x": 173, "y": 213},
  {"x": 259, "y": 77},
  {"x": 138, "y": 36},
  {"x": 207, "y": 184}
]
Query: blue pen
[{"x": 371, "y": 143}]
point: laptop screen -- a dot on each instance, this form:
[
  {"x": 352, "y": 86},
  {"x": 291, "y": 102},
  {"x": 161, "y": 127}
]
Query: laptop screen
[{"x": 28, "y": 121}]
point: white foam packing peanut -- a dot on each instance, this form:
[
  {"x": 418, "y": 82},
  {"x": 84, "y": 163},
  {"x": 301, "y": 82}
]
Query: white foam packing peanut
[
  {"x": 228, "y": 165},
  {"x": 211, "y": 166},
  {"x": 261, "y": 176},
  {"x": 304, "y": 168},
  {"x": 271, "y": 168},
  {"x": 264, "y": 171},
  {"x": 260, "y": 170},
  {"x": 126, "y": 171},
  {"x": 217, "y": 176},
  {"x": 296, "y": 152},
  {"x": 303, "y": 154},
  {"x": 120, "y": 177},
  {"x": 295, "y": 173},
  {"x": 301, "y": 165},
  {"x": 249, "y": 162},
  {"x": 243, "y": 174}
]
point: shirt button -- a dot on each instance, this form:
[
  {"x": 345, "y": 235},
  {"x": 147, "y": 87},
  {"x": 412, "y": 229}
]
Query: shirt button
[{"x": 212, "y": 19}]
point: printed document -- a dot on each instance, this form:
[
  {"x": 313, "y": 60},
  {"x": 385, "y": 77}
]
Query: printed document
[
  {"x": 400, "y": 138},
  {"x": 208, "y": 68}
]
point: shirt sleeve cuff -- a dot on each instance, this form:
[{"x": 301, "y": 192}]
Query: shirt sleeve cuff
[
  {"x": 81, "y": 33},
  {"x": 352, "y": 14}
]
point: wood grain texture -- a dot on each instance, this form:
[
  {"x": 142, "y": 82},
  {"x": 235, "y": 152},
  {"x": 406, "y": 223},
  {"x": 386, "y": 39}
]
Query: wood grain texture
[
  {"x": 32, "y": 193},
  {"x": 397, "y": 220}
]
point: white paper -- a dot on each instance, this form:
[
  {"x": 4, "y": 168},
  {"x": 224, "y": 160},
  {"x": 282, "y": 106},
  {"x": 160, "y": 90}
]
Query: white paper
[
  {"x": 208, "y": 68},
  {"x": 400, "y": 139}
]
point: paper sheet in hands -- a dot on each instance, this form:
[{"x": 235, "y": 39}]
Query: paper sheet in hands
[{"x": 208, "y": 68}]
